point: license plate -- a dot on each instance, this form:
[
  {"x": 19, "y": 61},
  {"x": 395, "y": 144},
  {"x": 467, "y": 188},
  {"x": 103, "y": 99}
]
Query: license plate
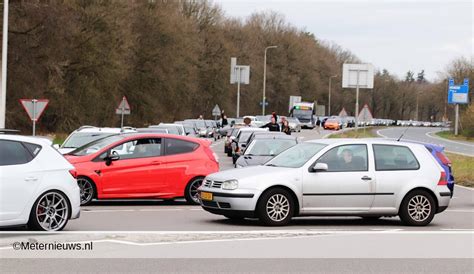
[{"x": 206, "y": 196}]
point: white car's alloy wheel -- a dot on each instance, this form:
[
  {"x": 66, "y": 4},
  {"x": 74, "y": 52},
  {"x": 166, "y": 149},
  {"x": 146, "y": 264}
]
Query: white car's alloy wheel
[
  {"x": 52, "y": 211},
  {"x": 278, "y": 207},
  {"x": 419, "y": 208}
]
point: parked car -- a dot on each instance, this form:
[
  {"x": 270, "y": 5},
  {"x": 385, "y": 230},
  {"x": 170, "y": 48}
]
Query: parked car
[
  {"x": 264, "y": 147},
  {"x": 294, "y": 123},
  {"x": 241, "y": 140},
  {"x": 231, "y": 135},
  {"x": 176, "y": 129},
  {"x": 143, "y": 166},
  {"x": 203, "y": 130},
  {"x": 369, "y": 178},
  {"x": 87, "y": 134},
  {"x": 37, "y": 185},
  {"x": 189, "y": 128}
]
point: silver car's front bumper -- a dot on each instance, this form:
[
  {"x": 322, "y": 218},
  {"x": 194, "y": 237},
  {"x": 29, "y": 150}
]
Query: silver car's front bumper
[{"x": 239, "y": 200}]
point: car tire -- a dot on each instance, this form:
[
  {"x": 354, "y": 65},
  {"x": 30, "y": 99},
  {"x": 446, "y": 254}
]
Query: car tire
[
  {"x": 417, "y": 208},
  {"x": 190, "y": 192},
  {"x": 275, "y": 207},
  {"x": 88, "y": 190},
  {"x": 50, "y": 205}
]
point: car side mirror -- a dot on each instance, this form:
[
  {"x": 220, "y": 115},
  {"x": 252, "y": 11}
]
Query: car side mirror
[
  {"x": 320, "y": 167},
  {"x": 111, "y": 158},
  {"x": 244, "y": 145},
  {"x": 56, "y": 146}
]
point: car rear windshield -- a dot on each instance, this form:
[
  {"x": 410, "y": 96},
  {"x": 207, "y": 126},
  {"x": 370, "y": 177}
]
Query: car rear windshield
[
  {"x": 96, "y": 145},
  {"x": 81, "y": 138},
  {"x": 268, "y": 147},
  {"x": 296, "y": 156}
]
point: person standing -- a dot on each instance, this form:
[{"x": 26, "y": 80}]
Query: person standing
[
  {"x": 285, "y": 127},
  {"x": 224, "y": 119},
  {"x": 272, "y": 126}
]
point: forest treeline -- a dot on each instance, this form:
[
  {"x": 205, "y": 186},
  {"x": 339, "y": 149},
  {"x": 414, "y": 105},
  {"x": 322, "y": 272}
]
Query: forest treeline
[{"x": 172, "y": 61}]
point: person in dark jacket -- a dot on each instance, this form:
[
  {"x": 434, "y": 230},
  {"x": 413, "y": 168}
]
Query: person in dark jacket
[
  {"x": 224, "y": 120},
  {"x": 272, "y": 126}
]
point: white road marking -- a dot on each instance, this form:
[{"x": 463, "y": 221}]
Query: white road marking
[
  {"x": 460, "y": 210},
  {"x": 465, "y": 187},
  {"x": 430, "y": 135}
]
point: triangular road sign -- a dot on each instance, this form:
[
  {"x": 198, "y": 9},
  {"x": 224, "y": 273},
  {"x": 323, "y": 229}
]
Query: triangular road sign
[
  {"x": 343, "y": 113},
  {"x": 34, "y": 107},
  {"x": 365, "y": 115},
  {"x": 216, "y": 111},
  {"x": 123, "y": 107}
]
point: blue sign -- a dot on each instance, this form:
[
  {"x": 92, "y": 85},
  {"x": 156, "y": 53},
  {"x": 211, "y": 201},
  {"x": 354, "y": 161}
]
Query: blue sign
[
  {"x": 458, "y": 94},
  {"x": 266, "y": 103}
]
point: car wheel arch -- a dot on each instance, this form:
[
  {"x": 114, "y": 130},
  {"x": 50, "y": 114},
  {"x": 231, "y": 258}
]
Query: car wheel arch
[
  {"x": 429, "y": 191},
  {"x": 292, "y": 193},
  {"x": 54, "y": 190}
]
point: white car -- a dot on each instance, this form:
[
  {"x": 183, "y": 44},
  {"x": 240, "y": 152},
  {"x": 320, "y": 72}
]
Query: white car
[
  {"x": 87, "y": 134},
  {"x": 38, "y": 187},
  {"x": 346, "y": 177},
  {"x": 176, "y": 129}
]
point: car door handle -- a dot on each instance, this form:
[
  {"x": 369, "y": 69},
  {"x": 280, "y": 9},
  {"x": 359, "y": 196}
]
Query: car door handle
[
  {"x": 156, "y": 163},
  {"x": 366, "y": 178},
  {"x": 31, "y": 179}
]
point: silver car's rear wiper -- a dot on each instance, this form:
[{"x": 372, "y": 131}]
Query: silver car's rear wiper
[{"x": 270, "y": 165}]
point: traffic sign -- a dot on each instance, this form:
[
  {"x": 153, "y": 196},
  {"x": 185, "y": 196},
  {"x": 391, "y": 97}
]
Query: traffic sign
[
  {"x": 123, "y": 107},
  {"x": 216, "y": 111},
  {"x": 458, "y": 94},
  {"x": 266, "y": 103},
  {"x": 34, "y": 108}
]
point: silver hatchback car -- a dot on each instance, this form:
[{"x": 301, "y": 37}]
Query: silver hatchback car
[{"x": 369, "y": 178}]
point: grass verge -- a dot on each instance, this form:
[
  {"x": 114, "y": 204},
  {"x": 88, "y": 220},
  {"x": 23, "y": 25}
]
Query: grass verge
[
  {"x": 355, "y": 133},
  {"x": 450, "y": 135},
  {"x": 59, "y": 138},
  {"x": 463, "y": 169}
]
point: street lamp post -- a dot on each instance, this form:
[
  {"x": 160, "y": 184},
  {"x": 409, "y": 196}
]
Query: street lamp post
[
  {"x": 265, "y": 77},
  {"x": 329, "y": 97},
  {"x": 3, "y": 91}
]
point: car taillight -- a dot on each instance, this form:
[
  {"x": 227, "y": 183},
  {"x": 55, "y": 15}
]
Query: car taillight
[
  {"x": 73, "y": 173},
  {"x": 442, "y": 179},
  {"x": 443, "y": 158}
]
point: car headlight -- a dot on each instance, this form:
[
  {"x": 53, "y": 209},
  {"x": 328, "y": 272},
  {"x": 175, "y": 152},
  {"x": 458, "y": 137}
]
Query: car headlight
[{"x": 230, "y": 185}]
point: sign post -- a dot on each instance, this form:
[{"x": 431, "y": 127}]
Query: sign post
[
  {"x": 357, "y": 76},
  {"x": 216, "y": 111},
  {"x": 123, "y": 109},
  {"x": 458, "y": 94},
  {"x": 240, "y": 75},
  {"x": 34, "y": 108}
]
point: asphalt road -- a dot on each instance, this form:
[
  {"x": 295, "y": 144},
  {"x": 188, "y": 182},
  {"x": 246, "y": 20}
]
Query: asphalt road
[
  {"x": 169, "y": 236},
  {"x": 427, "y": 134}
]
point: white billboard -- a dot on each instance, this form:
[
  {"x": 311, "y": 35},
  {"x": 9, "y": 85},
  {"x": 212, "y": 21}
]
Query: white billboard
[
  {"x": 350, "y": 72},
  {"x": 236, "y": 69}
]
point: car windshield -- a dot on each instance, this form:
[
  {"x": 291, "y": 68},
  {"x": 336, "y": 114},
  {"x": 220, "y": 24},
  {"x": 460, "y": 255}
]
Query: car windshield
[
  {"x": 268, "y": 147},
  {"x": 296, "y": 156},
  {"x": 82, "y": 138},
  {"x": 292, "y": 120},
  {"x": 95, "y": 146}
]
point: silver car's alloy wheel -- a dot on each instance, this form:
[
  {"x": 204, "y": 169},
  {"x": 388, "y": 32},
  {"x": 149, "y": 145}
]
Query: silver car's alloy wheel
[
  {"x": 419, "y": 208},
  {"x": 52, "y": 211},
  {"x": 86, "y": 190},
  {"x": 278, "y": 207},
  {"x": 193, "y": 190}
]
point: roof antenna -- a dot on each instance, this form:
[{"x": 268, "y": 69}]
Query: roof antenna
[{"x": 398, "y": 140}]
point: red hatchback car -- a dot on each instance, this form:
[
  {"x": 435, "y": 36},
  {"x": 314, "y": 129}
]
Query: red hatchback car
[{"x": 143, "y": 166}]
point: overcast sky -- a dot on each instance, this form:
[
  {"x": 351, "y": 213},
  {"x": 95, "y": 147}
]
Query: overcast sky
[{"x": 397, "y": 35}]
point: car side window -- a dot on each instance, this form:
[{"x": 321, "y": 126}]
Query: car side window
[
  {"x": 393, "y": 157},
  {"x": 346, "y": 158},
  {"x": 13, "y": 153},
  {"x": 141, "y": 148},
  {"x": 176, "y": 146}
]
